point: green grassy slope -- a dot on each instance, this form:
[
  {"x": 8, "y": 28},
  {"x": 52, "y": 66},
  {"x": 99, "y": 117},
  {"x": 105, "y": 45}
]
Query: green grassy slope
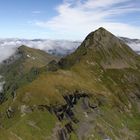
[
  {"x": 93, "y": 94},
  {"x": 22, "y": 67}
]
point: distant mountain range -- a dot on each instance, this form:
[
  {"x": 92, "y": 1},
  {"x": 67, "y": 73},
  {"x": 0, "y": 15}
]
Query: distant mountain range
[{"x": 56, "y": 47}]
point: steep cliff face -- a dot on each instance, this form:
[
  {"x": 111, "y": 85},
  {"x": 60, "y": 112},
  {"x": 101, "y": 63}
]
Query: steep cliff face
[{"x": 94, "y": 93}]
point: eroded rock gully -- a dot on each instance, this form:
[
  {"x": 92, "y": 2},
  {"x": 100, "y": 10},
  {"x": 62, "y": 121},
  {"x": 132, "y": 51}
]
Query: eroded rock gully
[{"x": 66, "y": 112}]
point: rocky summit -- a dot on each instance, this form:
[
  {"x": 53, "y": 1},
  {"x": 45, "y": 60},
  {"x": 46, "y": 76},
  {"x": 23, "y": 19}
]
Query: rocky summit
[{"x": 91, "y": 94}]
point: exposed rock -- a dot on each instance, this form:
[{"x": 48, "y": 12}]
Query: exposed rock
[
  {"x": 10, "y": 112},
  {"x": 25, "y": 109}
]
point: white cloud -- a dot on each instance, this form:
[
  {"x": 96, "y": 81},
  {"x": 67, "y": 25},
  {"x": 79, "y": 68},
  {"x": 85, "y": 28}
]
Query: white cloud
[
  {"x": 9, "y": 46},
  {"x": 102, "y": 3},
  {"x": 76, "y": 19},
  {"x": 134, "y": 44}
]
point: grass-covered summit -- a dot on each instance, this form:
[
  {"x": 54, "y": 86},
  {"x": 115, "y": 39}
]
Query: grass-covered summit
[{"x": 91, "y": 94}]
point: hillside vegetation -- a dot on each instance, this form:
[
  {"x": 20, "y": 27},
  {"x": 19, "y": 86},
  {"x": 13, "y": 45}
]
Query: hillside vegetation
[{"x": 91, "y": 94}]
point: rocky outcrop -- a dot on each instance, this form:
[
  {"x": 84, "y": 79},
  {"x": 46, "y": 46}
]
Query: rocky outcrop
[
  {"x": 10, "y": 112},
  {"x": 66, "y": 111}
]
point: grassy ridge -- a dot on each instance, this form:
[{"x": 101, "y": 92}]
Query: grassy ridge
[{"x": 105, "y": 69}]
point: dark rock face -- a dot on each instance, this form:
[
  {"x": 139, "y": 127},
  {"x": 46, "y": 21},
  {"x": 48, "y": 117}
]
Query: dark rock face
[
  {"x": 63, "y": 133},
  {"x": 65, "y": 111},
  {"x": 2, "y": 97}
]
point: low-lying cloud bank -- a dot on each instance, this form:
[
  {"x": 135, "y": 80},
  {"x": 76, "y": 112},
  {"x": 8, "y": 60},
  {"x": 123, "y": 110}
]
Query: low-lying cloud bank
[
  {"x": 133, "y": 43},
  {"x": 57, "y": 47}
]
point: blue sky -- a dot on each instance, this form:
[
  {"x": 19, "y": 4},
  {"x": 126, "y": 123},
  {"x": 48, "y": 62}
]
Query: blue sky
[{"x": 68, "y": 19}]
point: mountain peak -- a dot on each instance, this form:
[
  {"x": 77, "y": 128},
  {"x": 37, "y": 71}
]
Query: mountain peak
[
  {"x": 101, "y": 29},
  {"x": 102, "y": 36},
  {"x": 106, "y": 49},
  {"x": 23, "y": 47}
]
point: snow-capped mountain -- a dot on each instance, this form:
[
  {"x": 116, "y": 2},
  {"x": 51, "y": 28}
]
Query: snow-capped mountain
[{"x": 56, "y": 47}]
